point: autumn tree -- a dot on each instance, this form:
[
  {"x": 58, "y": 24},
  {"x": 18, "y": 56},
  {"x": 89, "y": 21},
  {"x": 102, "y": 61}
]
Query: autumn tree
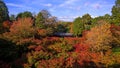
[
  {"x": 100, "y": 37},
  {"x": 78, "y": 26},
  {"x": 20, "y": 31},
  {"x": 116, "y": 34},
  {"x": 116, "y": 12},
  {"x": 6, "y": 25},
  {"x": 45, "y": 32}
]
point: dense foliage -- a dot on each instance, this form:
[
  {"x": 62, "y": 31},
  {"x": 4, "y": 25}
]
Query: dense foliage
[
  {"x": 20, "y": 31},
  {"x": 78, "y": 26},
  {"x": 100, "y": 36},
  {"x": 24, "y": 15},
  {"x": 115, "y": 12},
  {"x": 3, "y": 14},
  {"x": 30, "y": 42}
]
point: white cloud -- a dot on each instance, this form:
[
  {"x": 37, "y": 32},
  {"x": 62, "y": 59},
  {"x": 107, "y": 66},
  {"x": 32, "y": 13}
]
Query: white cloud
[
  {"x": 17, "y": 5},
  {"x": 67, "y": 18},
  {"x": 93, "y": 16},
  {"x": 74, "y": 8},
  {"x": 47, "y": 5},
  {"x": 96, "y": 6},
  {"x": 68, "y": 2}
]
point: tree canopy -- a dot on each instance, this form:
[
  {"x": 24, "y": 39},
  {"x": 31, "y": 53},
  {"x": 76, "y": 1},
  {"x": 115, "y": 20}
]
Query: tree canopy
[
  {"x": 116, "y": 12},
  {"x": 3, "y": 12},
  {"x": 78, "y": 26},
  {"x": 24, "y": 15}
]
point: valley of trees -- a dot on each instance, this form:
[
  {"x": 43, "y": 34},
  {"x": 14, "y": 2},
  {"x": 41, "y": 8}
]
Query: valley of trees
[{"x": 28, "y": 40}]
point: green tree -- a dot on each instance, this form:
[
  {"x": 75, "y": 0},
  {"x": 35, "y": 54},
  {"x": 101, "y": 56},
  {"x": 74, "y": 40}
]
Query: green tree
[
  {"x": 39, "y": 22},
  {"x": 61, "y": 27},
  {"x": 3, "y": 12},
  {"x": 44, "y": 19},
  {"x": 78, "y": 26},
  {"x": 51, "y": 20},
  {"x": 12, "y": 17},
  {"x": 86, "y": 19},
  {"x": 45, "y": 14},
  {"x": 106, "y": 17},
  {"x": 116, "y": 13},
  {"x": 24, "y": 15}
]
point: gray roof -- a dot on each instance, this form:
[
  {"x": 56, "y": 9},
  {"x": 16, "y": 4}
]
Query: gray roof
[{"x": 63, "y": 34}]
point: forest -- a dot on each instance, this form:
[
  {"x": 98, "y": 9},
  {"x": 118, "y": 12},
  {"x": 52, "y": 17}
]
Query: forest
[{"x": 29, "y": 41}]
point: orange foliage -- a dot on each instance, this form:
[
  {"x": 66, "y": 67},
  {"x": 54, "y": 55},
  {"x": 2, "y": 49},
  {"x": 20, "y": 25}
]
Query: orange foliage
[
  {"x": 72, "y": 40},
  {"x": 7, "y": 24},
  {"x": 21, "y": 31},
  {"x": 52, "y": 63},
  {"x": 85, "y": 57},
  {"x": 100, "y": 37},
  {"x": 42, "y": 32},
  {"x": 116, "y": 33},
  {"x": 50, "y": 40}
]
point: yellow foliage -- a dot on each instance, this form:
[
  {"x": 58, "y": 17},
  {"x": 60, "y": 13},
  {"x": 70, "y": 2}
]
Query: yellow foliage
[{"x": 100, "y": 36}]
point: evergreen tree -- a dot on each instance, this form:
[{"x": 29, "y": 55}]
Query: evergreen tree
[
  {"x": 12, "y": 17},
  {"x": 24, "y": 15},
  {"x": 40, "y": 20},
  {"x": 78, "y": 26},
  {"x": 86, "y": 19},
  {"x": 43, "y": 19},
  {"x": 116, "y": 13},
  {"x": 3, "y": 12}
]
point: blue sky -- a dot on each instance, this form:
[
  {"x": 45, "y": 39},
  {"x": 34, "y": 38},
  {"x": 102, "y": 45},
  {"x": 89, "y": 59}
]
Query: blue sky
[{"x": 65, "y": 10}]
